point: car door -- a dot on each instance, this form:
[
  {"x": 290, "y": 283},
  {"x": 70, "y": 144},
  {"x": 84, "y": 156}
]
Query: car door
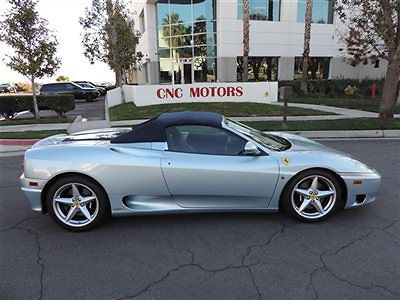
[{"x": 204, "y": 168}]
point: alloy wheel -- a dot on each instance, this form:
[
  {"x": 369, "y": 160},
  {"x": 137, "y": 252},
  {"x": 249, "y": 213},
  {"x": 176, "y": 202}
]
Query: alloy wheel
[
  {"x": 313, "y": 197},
  {"x": 75, "y": 204}
]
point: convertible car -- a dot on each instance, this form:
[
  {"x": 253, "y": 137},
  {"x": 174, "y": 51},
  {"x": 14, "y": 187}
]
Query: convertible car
[{"x": 188, "y": 162}]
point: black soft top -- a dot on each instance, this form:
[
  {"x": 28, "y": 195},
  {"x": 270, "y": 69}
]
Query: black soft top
[{"x": 153, "y": 130}]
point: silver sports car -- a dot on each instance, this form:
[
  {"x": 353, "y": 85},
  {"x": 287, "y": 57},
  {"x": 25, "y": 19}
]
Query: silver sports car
[{"x": 189, "y": 162}]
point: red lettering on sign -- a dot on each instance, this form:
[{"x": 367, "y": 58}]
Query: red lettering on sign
[
  {"x": 169, "y": 93},
  {"x": 212, "y": 89},
  {"x": 221, "y": 92},
  {"x": 230, "y": 91},
  {"x": 160, "y": 94},
  {"x": 194, "y": 92},
  {"x": 178, "y": 93},
  {"x": 239, "y": 91},
  {"x": 204, "y": 92}
]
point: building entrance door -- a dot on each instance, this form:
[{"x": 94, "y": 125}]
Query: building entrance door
[{"x": 183, "y": 72}]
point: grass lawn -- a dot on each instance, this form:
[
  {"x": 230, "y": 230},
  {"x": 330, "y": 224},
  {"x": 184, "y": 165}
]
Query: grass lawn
[
  {"x": 343, "y": 124},
  {"x": 30, "y": 134},
  {"x": 360, "y": 104},
  {"x": 34, "y": 121},
  {"x": 129, "y": 111}
]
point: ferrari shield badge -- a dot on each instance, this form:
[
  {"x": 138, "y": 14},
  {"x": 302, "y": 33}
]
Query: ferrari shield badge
[{"x": 286, "y": 160}]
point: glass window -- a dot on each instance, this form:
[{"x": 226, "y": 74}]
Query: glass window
[
  {"x": 260, "y": 68},
  {"x": 261, "y": 10},
  {"x": 205, "y": 51},
  {"x": 203, "y": 10},
  {"x": 182, "y": 53},
  {"x": 187, "y": 28},
  {"x": 318, "y": 67},
  {"x": 180, "y": 11},
  {"x": 162, "y": 12},
  {"x": 268, "y": 140},
  {"x": 322, "y": 11},
  {"x": 164, "y": 53},
  {"x": 68, "y": 86},
  {"x": 203, "y": 140},
  {"x": 142, "y": 26},
  {"x": 205, "y": 69},
  {"x": 165, "y": 70}
]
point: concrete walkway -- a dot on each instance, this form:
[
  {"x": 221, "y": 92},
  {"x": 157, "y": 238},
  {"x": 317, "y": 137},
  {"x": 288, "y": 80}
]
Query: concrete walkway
[
  {"x": 351, "y": 113},
  {"x": 338, "y": 113}
]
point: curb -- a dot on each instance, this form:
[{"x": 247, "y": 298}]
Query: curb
[
  {"x": 350, "y": 134},
  {"x": 17, "y": 142}
]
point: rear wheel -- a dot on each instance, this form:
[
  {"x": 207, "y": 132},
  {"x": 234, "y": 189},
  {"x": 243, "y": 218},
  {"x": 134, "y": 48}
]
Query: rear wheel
[
  {"x": 77, "y": 203},
  {"x": 312, "y": 196}
]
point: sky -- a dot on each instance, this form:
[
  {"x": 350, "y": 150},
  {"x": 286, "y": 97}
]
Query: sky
[{"x": 63, "y": 17}]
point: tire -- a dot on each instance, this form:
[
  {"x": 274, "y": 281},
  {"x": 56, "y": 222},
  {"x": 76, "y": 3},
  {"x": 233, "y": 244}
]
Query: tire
[
  {"x": 300, "y": 197},
  {"x": 89, "y": 98},
  {"x": 70, "y": 209}
]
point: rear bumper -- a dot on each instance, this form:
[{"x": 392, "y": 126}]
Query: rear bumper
[
  {"x": 360, "y": 194},
  {"x": 33, "y": 194}
]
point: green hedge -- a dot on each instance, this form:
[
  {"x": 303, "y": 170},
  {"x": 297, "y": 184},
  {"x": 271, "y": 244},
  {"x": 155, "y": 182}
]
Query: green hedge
[
  {"x": 335, "y": 87},
  {"x": 12, "y": 104}
]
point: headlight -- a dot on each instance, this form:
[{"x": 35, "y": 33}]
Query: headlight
[{"x": 362, "y": 166}]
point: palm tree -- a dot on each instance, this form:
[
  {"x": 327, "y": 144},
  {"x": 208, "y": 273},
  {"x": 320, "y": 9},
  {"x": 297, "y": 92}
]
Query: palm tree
[
  {"x": 306, "y": 51},
  {"x": 174, "y": 28},
  {"x": 246, "y": 40}
]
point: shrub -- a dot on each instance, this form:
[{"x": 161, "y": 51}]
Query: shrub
[
  {"x": 60, "y": 103},
  {"x": 351, "y": 90},
  {"x": 10, "y": 105},
  {"x": 335, "y": 87}
]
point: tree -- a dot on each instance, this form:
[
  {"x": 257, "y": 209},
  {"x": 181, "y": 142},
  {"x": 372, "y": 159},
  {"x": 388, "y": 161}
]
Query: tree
[
  {"x": 108, "y": 37},
  {"x": 173, "y": 33},
  {"x": 62, "y": 78},
  {"x": 246, "y": 40},
  {"x": 306, "y": 51},
  {"x": 34, "y": 45},
  {"x": 373, "y": 33}
]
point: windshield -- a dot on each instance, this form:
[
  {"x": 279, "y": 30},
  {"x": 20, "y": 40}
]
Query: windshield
[
  {"x": 270, "y": 141},
  {"x": 85, "y": 85}
]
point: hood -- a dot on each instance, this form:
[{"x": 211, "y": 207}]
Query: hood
[{"x": 93, "y": 137}]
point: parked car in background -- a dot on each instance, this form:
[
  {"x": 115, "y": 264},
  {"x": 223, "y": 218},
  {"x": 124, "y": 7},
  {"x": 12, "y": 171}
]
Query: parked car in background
[
  {"x": 88, "y": 84},
  {"x": 79, "y": 92},
  {"x": 7, "y": 88}
]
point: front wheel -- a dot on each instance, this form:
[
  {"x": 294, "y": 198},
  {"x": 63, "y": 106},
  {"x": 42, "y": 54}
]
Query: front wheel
[
  {"x": 77, "y": 203},
  {"x": 312, "y": 196},
  {"x": 89, "y": 98}
]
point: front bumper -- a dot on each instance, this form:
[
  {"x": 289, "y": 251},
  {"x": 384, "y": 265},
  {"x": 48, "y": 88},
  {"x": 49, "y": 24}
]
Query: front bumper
[
  {"x": 360, "y": 194},
  {"x": 32, "y": 189}
]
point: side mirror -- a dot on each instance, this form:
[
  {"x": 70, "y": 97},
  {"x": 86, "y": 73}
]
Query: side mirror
[{"x": 251, "y": 149}]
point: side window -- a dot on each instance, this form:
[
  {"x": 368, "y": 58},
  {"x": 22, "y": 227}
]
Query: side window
[
  {"x": 203, "y": 140},
  {"x": 68, "y": 86}
]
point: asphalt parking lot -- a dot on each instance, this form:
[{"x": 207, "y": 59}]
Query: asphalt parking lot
[{"x": 353, "y": 255}]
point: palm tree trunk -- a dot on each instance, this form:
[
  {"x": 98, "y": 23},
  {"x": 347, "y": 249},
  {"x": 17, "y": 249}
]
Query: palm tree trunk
[
  {"x": 246, "y": 40},
  {"x": 306, "y": 51},
  {"x": 35, "y": 103}
]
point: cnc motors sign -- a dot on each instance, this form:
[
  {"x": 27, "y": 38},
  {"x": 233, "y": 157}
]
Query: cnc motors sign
[{"x": 261, "y": 92}]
